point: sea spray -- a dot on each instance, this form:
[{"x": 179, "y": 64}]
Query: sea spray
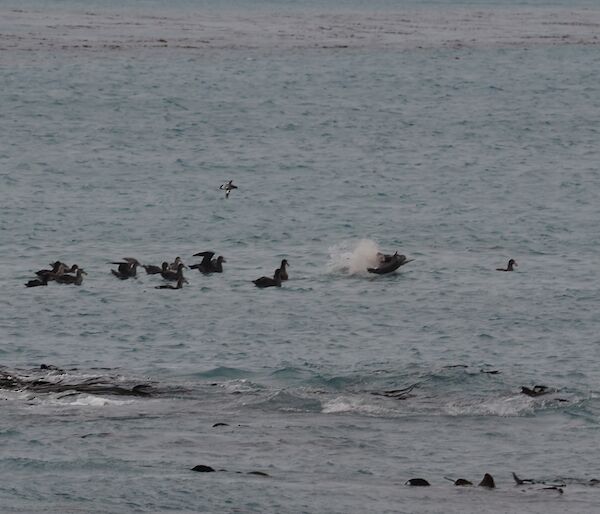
[{"x": 353, "y": 257}]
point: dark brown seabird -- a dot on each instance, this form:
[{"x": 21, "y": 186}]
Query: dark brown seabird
[
  {"x": 126, "y": 269},
  {"x": 268, "y": 281},
  {"x": 208, "y": 264},
  {"x": 43, "y": 281},
  {"x": 179, "y": 285},
  {"x": 151, "y": 269},
  {"x": 511, "y": 263},
  {"x": 283, "y": 272},
  {"x": 70, "y": 279},
  {"x": 167, "y": 274}
]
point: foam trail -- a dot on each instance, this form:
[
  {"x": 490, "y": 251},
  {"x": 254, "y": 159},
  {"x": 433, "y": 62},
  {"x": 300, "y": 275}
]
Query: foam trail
[{"x": 352, "y": 257}]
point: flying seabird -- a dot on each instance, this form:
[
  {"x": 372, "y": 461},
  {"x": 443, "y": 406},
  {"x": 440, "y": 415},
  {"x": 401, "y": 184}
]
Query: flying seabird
[
  {"x": 511, "y": 263},
  {"x": 268, "y": 281},
  {"x": 228, "y": 187}
]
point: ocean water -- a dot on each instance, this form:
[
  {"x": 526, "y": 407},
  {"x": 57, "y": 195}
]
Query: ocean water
[{"x": 460, "y": 135}]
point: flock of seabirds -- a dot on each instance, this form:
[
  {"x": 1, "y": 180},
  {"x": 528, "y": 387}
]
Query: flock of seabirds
[{"x": 173, "y": 271}]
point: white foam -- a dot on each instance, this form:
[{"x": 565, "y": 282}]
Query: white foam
[
  {"x": 89, "y": 400},
  {"x": 505, "y": 407},
  {"x": 353, "y": 257},
  {"x": 345, "y": 404}
]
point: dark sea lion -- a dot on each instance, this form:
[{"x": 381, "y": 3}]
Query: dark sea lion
[
  {"x": 50, "y": 367},
  {"x": 459, "y": 481},
  {"x": 521, "y": 481},
  {"x": 201, "y": 468},
  {"x": 488, "y": 481},
  {"x": 417, "y": 482},
  {"x": 554, "y": 488},
  {"x": 389, "y": 263},
  {"x": 462, "y": 482},
  {"x": 537, "y": 390},
  {"x": 398, "y": 394}
]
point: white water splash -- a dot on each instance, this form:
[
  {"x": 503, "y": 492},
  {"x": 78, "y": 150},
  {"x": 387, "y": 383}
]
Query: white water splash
[
  {"x": 503, "y": 407},
  {"x": 350, "y": 405},
  {"x": 352, "y": 257},
  {"x": 89, "y": 400}
]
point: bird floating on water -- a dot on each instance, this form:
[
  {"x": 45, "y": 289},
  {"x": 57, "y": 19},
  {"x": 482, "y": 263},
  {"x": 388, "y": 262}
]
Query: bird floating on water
[
  {"x": 76, "y": 279},
  {"x": 43, "y": 281},
  {"x": 263, "y": 282},
  {"x": 151, "y": 269},
  {"x": 208, "y": 264},
  {"x": 511, "y": 263},
  {"x": 58, "y": 268},
  {"x": 168, "y": 274},
  {"x": 126, "y": 269},
  {"x": 179, "y": 285},
  {"x": 283, "y": 274},
  {"x": 175, "y": 264}
]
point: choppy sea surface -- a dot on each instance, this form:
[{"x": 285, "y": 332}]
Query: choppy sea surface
[{"x": 460, "y": 135}]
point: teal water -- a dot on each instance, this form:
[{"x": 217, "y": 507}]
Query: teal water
[{"x": 460, "y": 154}]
